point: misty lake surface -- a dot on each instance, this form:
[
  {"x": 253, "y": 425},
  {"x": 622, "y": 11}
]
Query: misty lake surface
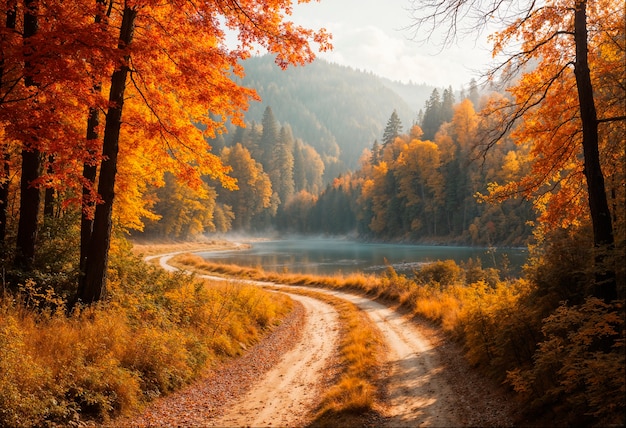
[{"x": 324, "y": 256}]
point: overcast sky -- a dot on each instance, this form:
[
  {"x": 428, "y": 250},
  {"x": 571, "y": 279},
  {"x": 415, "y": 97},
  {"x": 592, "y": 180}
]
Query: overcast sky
[{"x": 372, "y": 35}]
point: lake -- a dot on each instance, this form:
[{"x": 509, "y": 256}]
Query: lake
[{"x": 323, "y": 256}]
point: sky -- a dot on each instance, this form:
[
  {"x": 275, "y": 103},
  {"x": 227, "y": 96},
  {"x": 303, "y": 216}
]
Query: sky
[{"x": 373, "y": 35}]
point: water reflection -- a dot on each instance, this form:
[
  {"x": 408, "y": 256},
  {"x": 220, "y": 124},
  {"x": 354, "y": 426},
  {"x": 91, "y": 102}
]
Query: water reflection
[{"x": 328, "y": 256}]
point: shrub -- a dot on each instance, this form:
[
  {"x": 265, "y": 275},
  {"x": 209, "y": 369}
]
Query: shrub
[
  {"x": 155, "y": 333},
  {"x": 580, "y": 364},
  {"x": 441, "y": 272}
]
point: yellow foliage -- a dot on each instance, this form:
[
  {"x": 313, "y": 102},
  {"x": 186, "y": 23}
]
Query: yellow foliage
[{"x": 157, "y": 332}]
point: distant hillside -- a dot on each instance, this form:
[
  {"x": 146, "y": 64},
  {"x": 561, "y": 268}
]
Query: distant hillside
[
  {"x": 336, "y": 109},
  {"x": 414, "y": 94}
]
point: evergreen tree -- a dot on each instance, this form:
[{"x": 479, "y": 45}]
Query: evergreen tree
[
  {"x": 282, "y": 174},
  {"x": 473, "y": 95},
  {"x": 375, "y": 153},
  {"x": 432, "y": 115},
  {"x": 447, "y": 105},
  {"x": 393, "y": 129},
  {"x": 238, "y": 136},
  {"x": 268, "y": 141}
]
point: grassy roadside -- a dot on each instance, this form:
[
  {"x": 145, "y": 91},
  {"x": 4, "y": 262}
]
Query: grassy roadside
[
  {"x": 355, "y": 395},
  {"x": 151, "y": 248},
  {"x": 155, "y": 333},
  {"x": 513, "y": 331}
]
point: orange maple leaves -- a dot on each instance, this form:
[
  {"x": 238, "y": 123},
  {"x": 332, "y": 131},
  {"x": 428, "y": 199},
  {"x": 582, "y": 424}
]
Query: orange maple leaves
[
  {"x": 546, "y": 97},
  {"x": 183, "y": 83}
]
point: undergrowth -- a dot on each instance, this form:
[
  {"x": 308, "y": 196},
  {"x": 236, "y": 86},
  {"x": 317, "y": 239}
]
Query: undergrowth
[
  {"x": 154, "y": 333},
  {"x": 565, "y": 359}
]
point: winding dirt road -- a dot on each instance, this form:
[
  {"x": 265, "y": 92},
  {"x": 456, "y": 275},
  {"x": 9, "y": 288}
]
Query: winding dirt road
[
  {"x": 428, "y": 382},
  {"x": 418, "y": 392},
  {"x": 288, "y": 392}
]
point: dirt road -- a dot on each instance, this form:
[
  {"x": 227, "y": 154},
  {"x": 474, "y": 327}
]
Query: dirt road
[
  {"x": 418, "y": 391},
  {"x": 429, "y": 383},
  {"x": 287, "y": 393}
]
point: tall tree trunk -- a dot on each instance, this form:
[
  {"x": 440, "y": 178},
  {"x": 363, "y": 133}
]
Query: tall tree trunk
[
  {"x": 30, "y": 196},
  {"x": 48, "y": 200},
  {"x": 11, "y": 19},
  {"x": 86, "y": 219},
  {"x": 605, "y": 286},
  {"x": 89, "y": 173},
  {"x": 94, "y": 285},
  {"x": 4, "y": 197}
]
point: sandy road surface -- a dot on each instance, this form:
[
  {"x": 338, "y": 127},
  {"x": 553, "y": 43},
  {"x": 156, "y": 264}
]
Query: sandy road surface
[
  {"x": 418, "y": 392},
  {"x": 426, "y": 387},
  {"x": 286, "y": 394},
  {"x": 429, "y": 382}
]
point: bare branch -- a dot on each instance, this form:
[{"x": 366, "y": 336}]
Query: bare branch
[
  {"x": 520, "y": 109},
  {"x": 612, "y": 119}
]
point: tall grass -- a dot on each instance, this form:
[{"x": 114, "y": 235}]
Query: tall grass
[
  {"x": 557, "y": 355},
  {"x": 355, "y": 392},
  {"x": 156, "y": 332}
]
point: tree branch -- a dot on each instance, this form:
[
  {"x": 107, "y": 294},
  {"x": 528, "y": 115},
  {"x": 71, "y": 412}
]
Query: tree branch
[{"x": 612, "y": 119}]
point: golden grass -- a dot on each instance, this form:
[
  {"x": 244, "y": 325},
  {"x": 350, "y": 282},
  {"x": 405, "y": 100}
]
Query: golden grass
[
  {"x": 355, "y": 392},
  {"x": 150, "y": 248},
  {"x": 500, "y": 324},
  {"x": 157, "y": 332}
]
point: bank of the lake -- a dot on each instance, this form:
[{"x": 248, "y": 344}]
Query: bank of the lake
[{"x": 324, "y": 256}]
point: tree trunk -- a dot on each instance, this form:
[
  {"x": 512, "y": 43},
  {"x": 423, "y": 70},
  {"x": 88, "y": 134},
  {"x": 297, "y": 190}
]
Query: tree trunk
[
  {"x": 90, "y": 172},
  {"x": 30, "y": 201},
  {"x": 94, "y": 285},
  {"x": 86, "y": 218},
  {"x": 4, "y": 197},
  {"x": 30, "y": 196},
  {"x": 11, "y": 19},
  {"x": 605, "y": 286},
  {"x": 48, "y": 200}
]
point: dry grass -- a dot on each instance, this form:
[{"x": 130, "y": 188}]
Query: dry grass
[
  {"x": 157, "y": 332},
  {"x": 503, "y": 327},
  {"x": 361, "y": 282},
  {"x": 150, "y": 248},
  {"x": 355, "y": 394}
]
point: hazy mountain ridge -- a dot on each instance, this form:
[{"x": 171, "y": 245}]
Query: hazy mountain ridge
[{"x": 336, "y": 109}]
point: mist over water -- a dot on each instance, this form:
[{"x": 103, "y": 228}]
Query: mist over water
[{"x": 324, "y": 256}]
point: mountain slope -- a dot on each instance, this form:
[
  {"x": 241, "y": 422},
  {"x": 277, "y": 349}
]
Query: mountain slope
[{"x": 336, "y": 109}]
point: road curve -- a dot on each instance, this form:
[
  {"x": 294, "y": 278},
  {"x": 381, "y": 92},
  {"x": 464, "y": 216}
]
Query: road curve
[
  {"x": 286, "y": 394},
  {"x": 421, "y": 391},
  {"x": 418, "y": 392}
]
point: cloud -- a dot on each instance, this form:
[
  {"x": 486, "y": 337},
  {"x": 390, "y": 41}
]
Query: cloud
[
  {"x": 371, "y": 48},
  {"x": 368, "y": 35}
]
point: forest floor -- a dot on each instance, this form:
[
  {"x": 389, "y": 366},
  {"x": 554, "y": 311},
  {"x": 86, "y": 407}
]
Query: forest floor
[{"x": 279, "y": 382}]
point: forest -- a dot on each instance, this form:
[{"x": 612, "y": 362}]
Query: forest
[
  {"x": 124, "y": 119},
  {"x": 292, "y": 186}
]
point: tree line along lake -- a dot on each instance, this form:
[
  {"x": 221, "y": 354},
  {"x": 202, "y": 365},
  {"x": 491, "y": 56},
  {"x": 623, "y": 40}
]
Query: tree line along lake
[{"x": 327, "y": 256}]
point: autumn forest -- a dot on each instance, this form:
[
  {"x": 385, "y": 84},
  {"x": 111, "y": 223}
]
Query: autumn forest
[{"x": 139, "y": 120}]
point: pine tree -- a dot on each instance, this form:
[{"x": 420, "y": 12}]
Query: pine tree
[
  {"x": 282, "y": 175},
  {"x": 375, "y": 153},
  {"x": 473, "y": 95},
  {"x": 269, "y": 139},
  {"x": 432, "y": 115},
  {"x": 393, "y": 129},
  {"x": 447, "y": 105}
]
